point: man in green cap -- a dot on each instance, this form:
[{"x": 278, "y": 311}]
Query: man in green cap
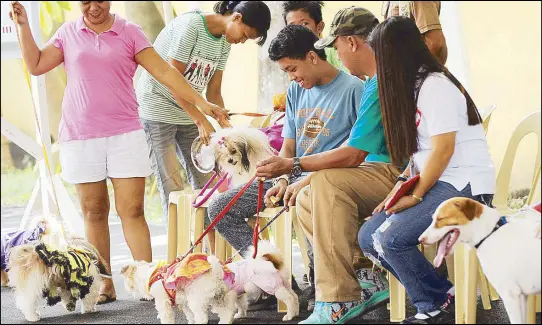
[{"x": 349, "y": 183}]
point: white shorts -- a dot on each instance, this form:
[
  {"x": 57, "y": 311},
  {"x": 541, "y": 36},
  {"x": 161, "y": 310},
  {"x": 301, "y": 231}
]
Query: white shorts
[{"x": 93, "y": 160}]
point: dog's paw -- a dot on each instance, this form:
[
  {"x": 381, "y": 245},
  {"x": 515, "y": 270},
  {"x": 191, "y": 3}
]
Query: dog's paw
[
  {"x": 240, "y": 315},
  {"x": 70, "y": 306},
  {"x": 32, "y": 317},
  {"x": 287, "y": 318}
]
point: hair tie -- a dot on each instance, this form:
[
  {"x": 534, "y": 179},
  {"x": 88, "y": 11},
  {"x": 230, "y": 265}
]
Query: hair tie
[{"x": 231, "y": 5}]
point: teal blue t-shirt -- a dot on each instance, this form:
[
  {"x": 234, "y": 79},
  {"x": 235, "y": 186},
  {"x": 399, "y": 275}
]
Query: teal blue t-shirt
[
  {"x": 368, "y": 131},
  {"x": 320, "y": 118}
]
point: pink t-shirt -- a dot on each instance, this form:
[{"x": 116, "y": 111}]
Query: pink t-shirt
[{"x": 99, "y": 100}]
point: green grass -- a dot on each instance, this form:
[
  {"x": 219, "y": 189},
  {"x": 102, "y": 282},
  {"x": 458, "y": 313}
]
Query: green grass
[{"x": 17, "y": 186}]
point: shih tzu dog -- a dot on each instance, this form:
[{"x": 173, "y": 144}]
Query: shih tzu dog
[
  {"x": 56, "y": 269},
  {"x": 237, "y": 150},
  {"x": 200, "y": 284}
]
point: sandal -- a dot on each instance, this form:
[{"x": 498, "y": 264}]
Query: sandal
[{"x": 108, "y": 299}]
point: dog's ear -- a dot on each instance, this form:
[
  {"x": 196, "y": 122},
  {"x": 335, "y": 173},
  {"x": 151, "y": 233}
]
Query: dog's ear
[
  {"x": 470, "y": 208},
  {"x": 244, "y": 149}
]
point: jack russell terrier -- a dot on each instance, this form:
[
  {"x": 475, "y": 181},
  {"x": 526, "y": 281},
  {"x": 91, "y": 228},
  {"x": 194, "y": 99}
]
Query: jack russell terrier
[{"x": 508, "y": 250}]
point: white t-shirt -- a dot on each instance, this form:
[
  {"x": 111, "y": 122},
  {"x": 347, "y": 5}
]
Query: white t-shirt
[{"x": 442, "y": 108}]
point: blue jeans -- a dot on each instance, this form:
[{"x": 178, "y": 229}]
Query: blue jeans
[
  {"x": 392, "y": 242},
  {"x": 169, "y": 146}
]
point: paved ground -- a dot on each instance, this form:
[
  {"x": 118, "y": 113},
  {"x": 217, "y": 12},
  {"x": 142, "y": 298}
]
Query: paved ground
[{"x": 128, "y": 311}]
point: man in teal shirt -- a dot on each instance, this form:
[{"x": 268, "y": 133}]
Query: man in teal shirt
[{"x": 346, "y": 185}]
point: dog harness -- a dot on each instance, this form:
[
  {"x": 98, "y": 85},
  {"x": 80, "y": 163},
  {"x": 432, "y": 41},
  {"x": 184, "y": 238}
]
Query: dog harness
[
  {"x": 74, "y": 266},
  {"x": 502, "y": 221},
  {"x": 158, "y": 275},
  {"x": 184, "y": 272}
]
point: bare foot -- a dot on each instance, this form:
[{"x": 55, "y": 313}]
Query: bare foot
[{"x": 107, "y": 292}]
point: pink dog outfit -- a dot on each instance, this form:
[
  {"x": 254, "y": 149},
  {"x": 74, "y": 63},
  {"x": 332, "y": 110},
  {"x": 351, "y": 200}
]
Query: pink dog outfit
[{"x": 245, "y": 272}]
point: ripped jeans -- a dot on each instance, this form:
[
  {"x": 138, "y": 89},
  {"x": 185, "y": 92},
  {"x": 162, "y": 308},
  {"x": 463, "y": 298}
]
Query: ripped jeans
[{"x": 392, "y": 242}]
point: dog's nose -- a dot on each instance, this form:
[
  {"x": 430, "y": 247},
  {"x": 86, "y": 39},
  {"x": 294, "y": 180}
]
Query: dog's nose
[{"x": 423, "y": 240}]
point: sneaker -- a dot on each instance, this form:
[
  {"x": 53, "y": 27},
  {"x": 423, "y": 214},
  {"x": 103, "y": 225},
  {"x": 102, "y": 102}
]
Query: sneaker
[
  {"x": 444, "y": 315},
  {"x": 374, "y": 289},
  {"x": 334, "y": 312}
]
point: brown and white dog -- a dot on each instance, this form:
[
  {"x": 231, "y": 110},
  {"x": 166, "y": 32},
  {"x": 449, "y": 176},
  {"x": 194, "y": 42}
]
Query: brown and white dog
[
  {"x": 510, "y": 255},
  {"x": 238, "y": 149}
]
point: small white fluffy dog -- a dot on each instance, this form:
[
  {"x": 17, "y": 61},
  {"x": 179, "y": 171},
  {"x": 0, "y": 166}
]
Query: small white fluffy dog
[
  {"x": 510, "y": 256},
  {"x": 238, "y": 149},
  {"x": 31, "y": 277},
  {"x": 206, "y": 293},
  {"x": 51, "y": 236},
  {"x": 264, "y": 273}
]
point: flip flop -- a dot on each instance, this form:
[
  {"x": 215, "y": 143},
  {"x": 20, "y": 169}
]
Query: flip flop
[{"x": 108, "y": 299}]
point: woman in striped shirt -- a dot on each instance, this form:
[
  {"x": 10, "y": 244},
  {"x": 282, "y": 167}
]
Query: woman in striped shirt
[{"x": 198, "y": 45}]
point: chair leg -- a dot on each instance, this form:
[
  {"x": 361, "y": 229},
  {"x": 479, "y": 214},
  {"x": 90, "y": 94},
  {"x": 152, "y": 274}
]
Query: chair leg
[
  {"x": 199, "y": 227},
  {"x": 302, "y": 242},
  {"x": 472, "y": 293},
  {"x": 183, "y": 224},
  {"x": 283, "y": 239},
  {"x": 493, "y": 293},
  {"x": 397, "y": 300},
  {"x": 220, "y": 247},
  {"x": 172, "y": 233},
  {"x": 450, "y": 267},
  {"x": 484, "y": 289},
  {"x": 531, "y": 309},
  {"x": 460, "y": 285}
]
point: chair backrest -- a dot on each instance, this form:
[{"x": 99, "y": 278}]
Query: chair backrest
[
  {"x": 531, "y": 124},
  {"x": 486, "y": 116},
  {"x": 261, "y": 122}
]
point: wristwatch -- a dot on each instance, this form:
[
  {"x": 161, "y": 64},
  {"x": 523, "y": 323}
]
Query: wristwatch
[{"x": 297, "y": 170}]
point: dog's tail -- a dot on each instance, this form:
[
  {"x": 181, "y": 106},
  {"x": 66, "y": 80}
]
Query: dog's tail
[
  {"x": 216, "y": 267},
  {"x": 99, "y": 261},
  {"x": 267, "y": 252}
]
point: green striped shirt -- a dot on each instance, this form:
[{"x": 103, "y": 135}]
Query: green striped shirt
[{"x": 187, "y": 40}]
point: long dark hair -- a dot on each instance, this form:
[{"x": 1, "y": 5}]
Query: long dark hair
[
  {"x": 403, "y": 62},
  {"x": 256, "y": 14}
]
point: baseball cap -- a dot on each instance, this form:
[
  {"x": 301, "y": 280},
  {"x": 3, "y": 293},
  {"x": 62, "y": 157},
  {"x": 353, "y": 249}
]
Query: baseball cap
[{"x": 348, "y": 21}]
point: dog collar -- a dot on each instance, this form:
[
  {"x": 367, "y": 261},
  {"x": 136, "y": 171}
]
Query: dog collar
[{"x": 502, "y": 221}]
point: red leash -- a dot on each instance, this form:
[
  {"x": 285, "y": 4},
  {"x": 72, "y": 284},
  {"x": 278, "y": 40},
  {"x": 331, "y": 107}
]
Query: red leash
[{"x": 223, "y": 213}]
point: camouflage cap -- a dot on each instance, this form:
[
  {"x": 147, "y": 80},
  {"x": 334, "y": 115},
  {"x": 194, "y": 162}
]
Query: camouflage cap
[{"x": 348, "y": 21}]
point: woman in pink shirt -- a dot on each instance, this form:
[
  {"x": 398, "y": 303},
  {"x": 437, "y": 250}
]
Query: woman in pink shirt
[{"x": 100, "y": 134}]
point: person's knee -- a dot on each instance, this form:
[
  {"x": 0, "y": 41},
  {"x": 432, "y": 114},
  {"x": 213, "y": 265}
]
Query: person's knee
[
  {"x": 95, "y": 209},
  {"x": 365, "y": 239},
  {"x": 216, "y": 205},
  {"x": 322, "y": 178},
  {"x": 131, "y": 210}
]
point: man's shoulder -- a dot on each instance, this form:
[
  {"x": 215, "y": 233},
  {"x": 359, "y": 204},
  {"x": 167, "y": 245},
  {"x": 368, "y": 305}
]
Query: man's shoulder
[{"x": 349, "y": 81}]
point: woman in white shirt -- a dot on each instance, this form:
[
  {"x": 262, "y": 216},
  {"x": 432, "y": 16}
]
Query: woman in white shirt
[{"x": 431, "y": 120}]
